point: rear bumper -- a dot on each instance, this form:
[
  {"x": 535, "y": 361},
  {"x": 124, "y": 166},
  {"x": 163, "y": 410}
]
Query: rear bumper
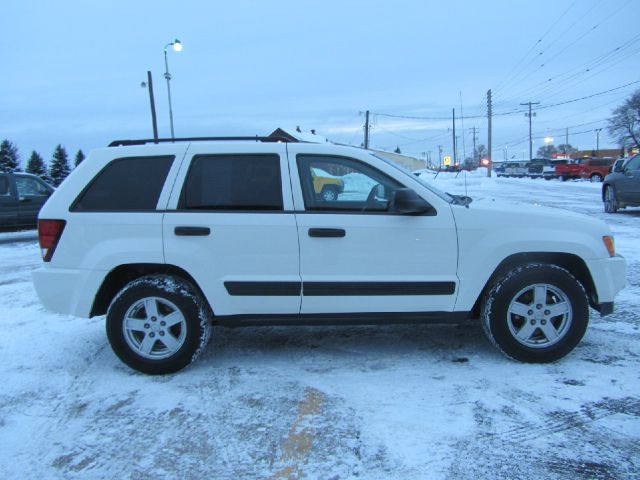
[{"x": 67, "y": 291}]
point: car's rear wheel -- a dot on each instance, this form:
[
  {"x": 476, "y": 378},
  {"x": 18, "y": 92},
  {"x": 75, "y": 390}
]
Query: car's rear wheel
[
  {"x": 536, "y": 313},
  {"x": 596, "y": 177},
  {"x": 610, "y": 200},
  {"x": 158, "y": 324}
]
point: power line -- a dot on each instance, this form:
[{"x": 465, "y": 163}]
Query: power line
[
  {"x": 512, "y": 112},
  {"x": 513, "y": 69},
  {"x": 598, "y": 63},
  {"x": 523, "y": 73}
]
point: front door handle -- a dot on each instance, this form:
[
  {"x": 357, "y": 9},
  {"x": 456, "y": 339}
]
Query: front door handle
[
  {"x": 192, "y": 231},
  {"x": 327, "y": 232}
]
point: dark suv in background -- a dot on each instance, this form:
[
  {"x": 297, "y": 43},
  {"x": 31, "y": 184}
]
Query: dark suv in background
[
  {"x": 621, "y": 188},
  {"x": 21, "y": 197}
]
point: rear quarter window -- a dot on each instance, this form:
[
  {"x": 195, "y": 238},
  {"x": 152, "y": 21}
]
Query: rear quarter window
[{"x": 124, "y": 185}]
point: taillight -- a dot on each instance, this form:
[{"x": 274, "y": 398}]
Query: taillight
[{"x": 49, "y": 233}]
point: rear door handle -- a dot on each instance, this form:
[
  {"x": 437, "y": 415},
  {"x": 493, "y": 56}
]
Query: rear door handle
[
  {"x": 327, "y": 232},
  {"x": 192, "y": 231}
]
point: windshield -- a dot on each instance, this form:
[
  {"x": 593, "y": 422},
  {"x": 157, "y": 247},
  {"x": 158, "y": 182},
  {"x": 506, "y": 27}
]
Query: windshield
[{"x": 445, "y": 196}]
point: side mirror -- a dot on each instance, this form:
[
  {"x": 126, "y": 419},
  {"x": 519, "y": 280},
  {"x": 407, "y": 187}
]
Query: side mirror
[{"x": 408, "y": 202}]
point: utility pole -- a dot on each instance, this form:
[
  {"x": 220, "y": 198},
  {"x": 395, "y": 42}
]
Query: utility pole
[
  {"x": 366, "y": 130},
  {"x": 530, "y": 115},
  {"x": 598, "y": 141},
  {"x": 154, "y": 122},
  {"x": 439, "y": 157},
  {"x": 489, "y": 114},
  {"x": 473, "y": 129},
  {"x": 455, "y": 152},
  {"x": 566, "y": 140}
]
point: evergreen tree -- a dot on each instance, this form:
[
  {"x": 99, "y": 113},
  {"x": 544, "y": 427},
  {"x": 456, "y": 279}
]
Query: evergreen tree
[
  {"x": 397, "y": 150},
  {"x": 36, "y": 166},
  {"x": 59, "y": 168},
  {"x": 79, "y": 157},
  {"x": 9, "y": 157}
]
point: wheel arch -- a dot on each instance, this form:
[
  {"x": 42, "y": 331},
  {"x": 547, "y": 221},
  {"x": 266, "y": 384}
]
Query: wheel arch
[
  {"x": 117, "y": 278},
  {"x": 570, "y": 262}
]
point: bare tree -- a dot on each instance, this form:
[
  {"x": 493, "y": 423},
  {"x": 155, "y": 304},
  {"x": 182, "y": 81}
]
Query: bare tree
[{"x": 625, "y": 122}]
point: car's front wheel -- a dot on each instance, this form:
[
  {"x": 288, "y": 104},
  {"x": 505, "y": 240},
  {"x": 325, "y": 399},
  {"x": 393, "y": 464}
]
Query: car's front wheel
[
  {"x": 158, "y": 324},
  {"x": 610, "y": 200},
  {"x": 536, "y": 313}
]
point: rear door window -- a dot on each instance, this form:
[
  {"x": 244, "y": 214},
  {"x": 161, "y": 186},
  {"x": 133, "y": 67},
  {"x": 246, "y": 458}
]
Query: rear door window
[
  {"x": 125, "y": 185},
  {"x": 233, "y": 182}
]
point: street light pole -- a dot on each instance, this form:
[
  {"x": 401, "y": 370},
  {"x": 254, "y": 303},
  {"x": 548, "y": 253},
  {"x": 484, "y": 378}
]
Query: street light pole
[
  {"x": 598, "y": 141},
  {"x": 177, "y": 47}
]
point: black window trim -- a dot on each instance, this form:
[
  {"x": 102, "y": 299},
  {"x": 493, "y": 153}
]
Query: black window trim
[
  {"x": 73, "y": 206},
  {"x": 181, "y": 198}
]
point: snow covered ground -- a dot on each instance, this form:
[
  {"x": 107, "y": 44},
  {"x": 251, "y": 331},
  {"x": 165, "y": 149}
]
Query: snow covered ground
[{"x": 405, "y": 402}]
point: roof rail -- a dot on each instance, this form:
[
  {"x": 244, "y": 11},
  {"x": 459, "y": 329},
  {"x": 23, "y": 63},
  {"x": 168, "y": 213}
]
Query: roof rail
[{"x": 125, "y": 143}]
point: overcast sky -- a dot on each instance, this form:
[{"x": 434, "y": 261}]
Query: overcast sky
[{"x": 71, "y": 71}]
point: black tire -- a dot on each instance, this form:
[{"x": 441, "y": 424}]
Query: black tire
[
  {"x": 596, "y": 178},
  {"x": 329, "y": 193},
  {"x": 509, "y": 331},
  {"x": 610, "y": 199},
  {"x": 147, "y": 302},
  {"x": 564, "y": 178}
]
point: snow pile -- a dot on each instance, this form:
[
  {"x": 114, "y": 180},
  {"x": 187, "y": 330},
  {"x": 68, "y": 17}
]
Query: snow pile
[{"x": 358, "y": 183}]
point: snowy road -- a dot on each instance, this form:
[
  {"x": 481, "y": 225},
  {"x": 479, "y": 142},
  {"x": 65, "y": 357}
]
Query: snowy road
[{"x": 406, "y": 402}]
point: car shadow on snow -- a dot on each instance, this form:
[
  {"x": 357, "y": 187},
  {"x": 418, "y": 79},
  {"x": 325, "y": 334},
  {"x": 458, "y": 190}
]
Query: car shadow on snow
[{"x": 441, "y": 342}]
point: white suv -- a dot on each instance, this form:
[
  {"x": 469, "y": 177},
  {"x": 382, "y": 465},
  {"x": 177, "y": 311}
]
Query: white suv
[{"x": 168, "y": 238}]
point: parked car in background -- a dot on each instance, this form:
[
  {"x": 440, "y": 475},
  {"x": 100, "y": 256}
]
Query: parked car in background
[
  {"x": 516, "y": 169},
  {"x": 549, "y": 172},
  {"x": 325, "y": 185},
  {"x": 619, "y": 163},
  {"x": 595, "y": 169},
  {"x": 592, "y": 168},
  {"x": 22, "y": 195},
  {"x": 498, "y": 169},
  {"x": 570, "y": 170},
  {"x": 541, "y": 168},
  {"x": 621, "y": 188}
]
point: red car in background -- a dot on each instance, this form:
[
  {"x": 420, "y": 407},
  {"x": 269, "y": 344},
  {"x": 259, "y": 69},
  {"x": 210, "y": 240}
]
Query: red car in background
[{"x": 593, "y": 168}]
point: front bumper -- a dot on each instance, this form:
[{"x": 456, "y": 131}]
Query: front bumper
[{"x": 609, "y": 277}]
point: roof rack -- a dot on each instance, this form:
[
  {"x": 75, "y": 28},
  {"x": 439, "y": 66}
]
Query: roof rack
[{"x": 125, "y": 143}]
